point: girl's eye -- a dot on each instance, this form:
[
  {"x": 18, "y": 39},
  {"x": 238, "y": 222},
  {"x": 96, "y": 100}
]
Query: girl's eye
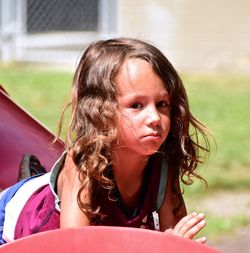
[
  {"x": 136, "y": 106},
  {"x": 162, "y": 104}
]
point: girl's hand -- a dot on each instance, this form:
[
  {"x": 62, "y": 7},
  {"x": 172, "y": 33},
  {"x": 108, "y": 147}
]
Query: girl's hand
[{"x": 189, "y": 226}]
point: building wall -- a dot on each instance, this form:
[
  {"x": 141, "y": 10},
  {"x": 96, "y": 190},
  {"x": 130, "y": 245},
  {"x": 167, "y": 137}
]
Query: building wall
[
  {"x": 151, "y": 20},
  {"x": 194, "y": 34}
]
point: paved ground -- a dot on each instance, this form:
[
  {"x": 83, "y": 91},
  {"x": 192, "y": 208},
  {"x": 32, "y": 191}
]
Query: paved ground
[
  {"x": 226, "y": 204},
  {"x": 238, "y": 244}
]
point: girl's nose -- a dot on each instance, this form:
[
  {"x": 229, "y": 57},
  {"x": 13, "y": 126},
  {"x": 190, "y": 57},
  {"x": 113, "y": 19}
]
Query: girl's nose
[{"x": 153, "y": 117}]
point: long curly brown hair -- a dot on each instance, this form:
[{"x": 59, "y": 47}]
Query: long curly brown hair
[{"x": 93, "y": 131}]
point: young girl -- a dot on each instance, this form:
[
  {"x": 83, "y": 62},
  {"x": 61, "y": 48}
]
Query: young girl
[{"x": 131, "y": 140}]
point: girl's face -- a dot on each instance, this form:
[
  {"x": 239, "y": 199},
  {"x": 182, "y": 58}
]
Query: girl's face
[{"x": 144, "y": 109}]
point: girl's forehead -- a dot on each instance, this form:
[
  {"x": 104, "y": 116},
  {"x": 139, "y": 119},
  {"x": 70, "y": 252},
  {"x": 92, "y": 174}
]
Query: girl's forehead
[
  {"x": 131, "y": 66},
  {"x": 137, "y": 75}
]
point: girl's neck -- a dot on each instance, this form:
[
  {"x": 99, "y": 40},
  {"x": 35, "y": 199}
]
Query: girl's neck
[{"x": 128, "y": 169}]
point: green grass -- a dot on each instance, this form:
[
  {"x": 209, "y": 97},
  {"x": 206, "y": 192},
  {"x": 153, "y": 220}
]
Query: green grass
[
  {"x": 221, "y": 101},
  {"x": 41, "y": 92},
  {"x": 218, "y": 226}
]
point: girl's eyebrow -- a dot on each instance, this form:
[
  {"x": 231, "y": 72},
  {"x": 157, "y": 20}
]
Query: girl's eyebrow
[
  {"x": 143, "y": 96},
  {"x": 164, "y": 94}
]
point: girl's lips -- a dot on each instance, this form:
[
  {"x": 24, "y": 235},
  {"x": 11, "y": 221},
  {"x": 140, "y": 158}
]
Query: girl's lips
[{"x": 153, "y": 135}]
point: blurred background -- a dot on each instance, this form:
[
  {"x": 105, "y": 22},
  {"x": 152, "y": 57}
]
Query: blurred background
[
  {"x": 207, "y": 41},
  {"x": 196, "y": 35}
]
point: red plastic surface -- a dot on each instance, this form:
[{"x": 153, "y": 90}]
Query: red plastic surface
[
  {"x": 104, "y": 239},
  {"x": 21, "y": 134}
]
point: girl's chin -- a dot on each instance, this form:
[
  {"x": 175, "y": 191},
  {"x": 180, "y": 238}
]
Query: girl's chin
[
  {"x": 142, "y": 150},
  {"x": 148, "y": 152}
]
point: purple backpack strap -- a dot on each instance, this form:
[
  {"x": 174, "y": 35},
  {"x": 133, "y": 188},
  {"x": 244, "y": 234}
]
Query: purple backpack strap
[{"x": 38, "y": 214}]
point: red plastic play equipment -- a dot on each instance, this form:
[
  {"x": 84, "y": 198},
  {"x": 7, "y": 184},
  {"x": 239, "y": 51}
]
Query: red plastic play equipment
[
  {"x": 21, "y": 134},
  {"x": 104, "y": 239}
]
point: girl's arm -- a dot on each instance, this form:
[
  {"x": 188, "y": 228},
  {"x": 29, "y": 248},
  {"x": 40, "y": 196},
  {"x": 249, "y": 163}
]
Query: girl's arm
[
  {"x": 71, "y": 215},
  {"x": 178, "y": 222},
  {"x": 169, "y": 217}
]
